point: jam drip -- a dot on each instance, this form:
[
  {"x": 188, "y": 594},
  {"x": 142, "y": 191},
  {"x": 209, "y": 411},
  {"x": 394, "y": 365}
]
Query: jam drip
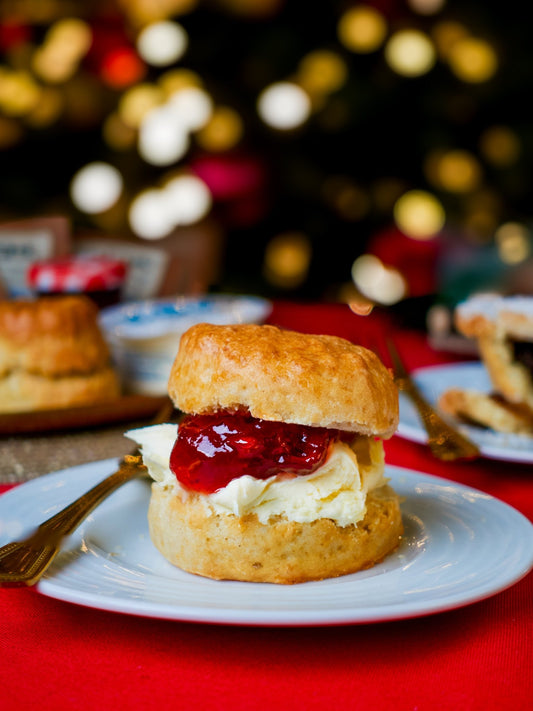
[{"x": 211, "y": 450}]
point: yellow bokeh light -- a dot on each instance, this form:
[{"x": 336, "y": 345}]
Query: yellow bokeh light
[
  {"x": 410, "y": 53},
  {"x": 19, "y": 93},
  {"x": 419, "y": 215},
  {"x": 322, "y": 72},
  {"x": 138, "y": 101},
  {"x": 117, "y": 134},
  {"x": 445, "y": 34},
  {"x": 223, "y": 130},
  {"x": 142, "y": 12},
  {"x": 500, "y": 146},
  {"x": 362, "y": 29},
  {"x": 457, "y": 171},
  {"x": 65, "y": 44},
  {"x": 513, "y": 242},
  {"x": 473, "y": 60},
  {"x": 72, "y": 34},
  {"x": 287, "y": 259},
  {"x": 177, "y": 79}
]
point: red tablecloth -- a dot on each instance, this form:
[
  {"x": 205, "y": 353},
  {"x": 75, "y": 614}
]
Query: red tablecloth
[{"x": 59, "y": 656}]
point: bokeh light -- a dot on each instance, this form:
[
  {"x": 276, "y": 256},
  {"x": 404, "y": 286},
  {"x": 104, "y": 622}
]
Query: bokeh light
[
  {"x": 187, "y": 199},
  {"x": 410, "y": 53},
  {"x": 513, "y": 241},
  {"x": 473, "y": 60},
  {"x": 136, "y": 102},
  {"x": 148, "y": 217},
  {"x": 362, "y": 29},
  {"x": 456, "y": 171},
  {"x": 96, "y": 187},
  {"x": 162, "y": 139},
  {"x": 377, "y": 282},
  {"x": 162, "y": 43},
  {"x": 500, "y": 146},
  {"x": 287, "y": 259},
  {"x": 419, "y": 215},
  {"x": 284, "y": 106},
  {"x": 322, "y": 72},
  {"x": 183, "y": 199},
  {"x": 222, "y": 131}
]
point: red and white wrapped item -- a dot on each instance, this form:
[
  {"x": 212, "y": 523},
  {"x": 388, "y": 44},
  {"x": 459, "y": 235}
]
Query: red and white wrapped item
[{"x": 100, "y": 277}]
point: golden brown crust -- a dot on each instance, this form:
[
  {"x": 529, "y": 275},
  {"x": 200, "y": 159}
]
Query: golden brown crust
[
  {"x": 224, "y": 546},
  {"x": 285, "y": 376},
  {"x": 508, "y": 376},
  {"x": 51, "y": 336},
  {"x": 53, "y": 355},
  {"x": 26, "y": 392},
  {"x": 487, "y": 410}
]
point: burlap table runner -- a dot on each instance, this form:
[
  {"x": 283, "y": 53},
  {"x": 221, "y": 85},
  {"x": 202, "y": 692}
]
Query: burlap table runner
[{"x": 26, "y": 457}]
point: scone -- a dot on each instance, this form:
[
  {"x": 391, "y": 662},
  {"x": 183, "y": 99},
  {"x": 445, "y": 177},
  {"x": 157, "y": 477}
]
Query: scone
[
  {"x": 276, "y": 472},
  {"x": 503, "y": 330},
  {"x": 53, "y": 355}
]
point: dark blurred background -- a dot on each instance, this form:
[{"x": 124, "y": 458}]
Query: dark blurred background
[{"x": 335, "y": 149}]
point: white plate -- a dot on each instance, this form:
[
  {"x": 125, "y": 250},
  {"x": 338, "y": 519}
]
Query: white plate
[
  {"x": 432, "y": 381},
  {"x": 460, "y": 546}
]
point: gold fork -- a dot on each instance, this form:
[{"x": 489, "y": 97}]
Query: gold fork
[
  {"x": 24, "y": 562},
  {"x": 444, "y": 441}
]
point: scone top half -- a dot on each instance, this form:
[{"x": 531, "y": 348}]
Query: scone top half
[{"x": 284, "y": 376}]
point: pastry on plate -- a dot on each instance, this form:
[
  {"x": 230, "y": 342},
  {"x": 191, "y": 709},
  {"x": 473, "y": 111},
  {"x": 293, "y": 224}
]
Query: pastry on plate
[
  {"x": 503, "y": 329},
  {"x": 276, "y": 471},
  {"x": 53, "y": 355}
]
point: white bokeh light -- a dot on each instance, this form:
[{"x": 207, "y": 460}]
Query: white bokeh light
[
  {"x": 148, "y": 215},
  {"x": 187, "y": 199},
  {"x": 96, "y": 187},
  {"x": 381, "y": 284},
  {"x": 192, "y": 107},
  {"x": 162, "y": 43},
  {"x": 163, "y": 139},
  {"x": 284, "y": 105}
]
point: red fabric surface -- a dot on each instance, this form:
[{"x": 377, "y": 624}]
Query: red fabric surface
[{"x": 55, "y": 655}]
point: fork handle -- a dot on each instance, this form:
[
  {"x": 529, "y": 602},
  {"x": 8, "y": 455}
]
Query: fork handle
[
  {"x": 24, "y": 562},
  {"x": 69, "y": 518}
]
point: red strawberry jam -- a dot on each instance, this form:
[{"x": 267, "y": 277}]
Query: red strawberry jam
[{"x": 211, "y": 450}]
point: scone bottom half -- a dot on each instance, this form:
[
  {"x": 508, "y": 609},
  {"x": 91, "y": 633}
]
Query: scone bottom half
[{"x": 267, "y": 373}]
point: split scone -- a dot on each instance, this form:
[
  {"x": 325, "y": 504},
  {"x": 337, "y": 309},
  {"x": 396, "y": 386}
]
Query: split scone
[
  {"x": 276, "y": 472},
  {"x": 53, "y": 355},
  {"x": 503, "y": 330}
]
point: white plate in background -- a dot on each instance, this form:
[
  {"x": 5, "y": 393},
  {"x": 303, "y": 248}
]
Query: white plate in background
[{"x": 432, "y": 381}]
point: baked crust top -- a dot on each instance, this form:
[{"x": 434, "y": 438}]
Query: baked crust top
[{"x": 284, "y": 376}]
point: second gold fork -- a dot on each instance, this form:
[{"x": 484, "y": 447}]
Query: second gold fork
[{"x": 444, "y": 441}]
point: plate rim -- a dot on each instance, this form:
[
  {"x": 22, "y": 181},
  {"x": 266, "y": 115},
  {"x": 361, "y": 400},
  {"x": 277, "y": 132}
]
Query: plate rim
[
  {"x": 286, "y": 618},
  {"x": 416, "y": 433}
]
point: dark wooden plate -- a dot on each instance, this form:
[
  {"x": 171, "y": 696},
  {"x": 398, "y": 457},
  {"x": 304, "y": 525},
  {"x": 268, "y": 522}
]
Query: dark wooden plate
[{"x": 125, "y": 409}]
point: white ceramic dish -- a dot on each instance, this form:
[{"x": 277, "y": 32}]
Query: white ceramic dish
[
  {"x": 460, "y": 546},
  {"x": 144, "y": 335},
  {"x": 432, "y": 381}
]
